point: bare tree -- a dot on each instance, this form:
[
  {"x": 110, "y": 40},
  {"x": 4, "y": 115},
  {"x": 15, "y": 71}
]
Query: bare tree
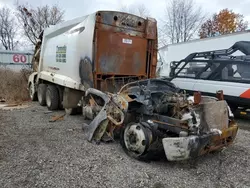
[
  {"x": 182, "y": 21},
  {"x": 34, "y": 21},
  {"x": 136, "y": 9},
  {"x": 8, "y": 29}
]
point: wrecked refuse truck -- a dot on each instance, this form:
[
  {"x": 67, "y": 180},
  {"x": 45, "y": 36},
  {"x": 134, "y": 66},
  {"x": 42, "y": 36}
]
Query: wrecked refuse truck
[
  {"x": 103, "y": 50},
  {"x": 153, "y": 116}
]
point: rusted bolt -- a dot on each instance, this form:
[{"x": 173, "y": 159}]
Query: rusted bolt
[
  {"x": 197, "y": 97},
  {"x": 220, "y": 95}
]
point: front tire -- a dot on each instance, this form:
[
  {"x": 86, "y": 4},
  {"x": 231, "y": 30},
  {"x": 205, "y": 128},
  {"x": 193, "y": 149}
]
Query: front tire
[
  {"x": 135, "y": 140},
  {"x": 52, "y": 97}
]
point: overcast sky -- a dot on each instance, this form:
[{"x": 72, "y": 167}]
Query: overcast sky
[{"x": 75, "y": 8}]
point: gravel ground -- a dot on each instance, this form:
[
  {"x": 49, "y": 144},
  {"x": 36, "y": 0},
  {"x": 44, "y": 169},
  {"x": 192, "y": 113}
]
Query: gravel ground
[{"x": 37, "y": 153}]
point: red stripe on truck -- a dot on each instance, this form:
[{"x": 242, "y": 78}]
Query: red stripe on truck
[{"x": 245, "y": 94}]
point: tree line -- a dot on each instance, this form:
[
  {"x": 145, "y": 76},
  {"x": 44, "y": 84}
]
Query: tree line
[
  {"x": 183, "y": 21},
  {"x": 24, "y": 25}
]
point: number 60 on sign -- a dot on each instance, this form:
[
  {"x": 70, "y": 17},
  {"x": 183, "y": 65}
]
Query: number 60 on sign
[{"x": 17, "y": 58}]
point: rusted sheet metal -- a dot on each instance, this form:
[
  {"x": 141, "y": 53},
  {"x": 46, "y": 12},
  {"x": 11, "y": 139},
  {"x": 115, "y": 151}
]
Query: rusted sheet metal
[
  {"x": 197, "y": 98},
  {"x": 120, "y": 54},
  {"x": 114, "y": 83},
  {"x": 219, "y": 141},
  {"x": 125, "y": 46},
  {"x": 153, "y": 65},
  {"x": 112, "y": 113},
  {"x": 211, "y": 118},
  {"x": 151, "y": 32},
  {"x": 122, "y": 20}
]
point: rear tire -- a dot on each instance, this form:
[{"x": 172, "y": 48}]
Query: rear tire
[
  {"x": 52, "y": 97},
  {"x": 60, "y": 91},
  {"x": 33, "y": 94},
  {"x": 41, "y": 94}
]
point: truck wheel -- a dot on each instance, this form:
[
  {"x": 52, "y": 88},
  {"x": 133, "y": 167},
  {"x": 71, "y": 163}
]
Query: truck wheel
[
  {"x": 60, "y": 91},
  {"x": 41, "y": 94},
  {"x": 71, "y": 111},
  {"x": 52, "y": 97},
  {"x": 33, "y": 94},
  {"x": 135, "y": 140}
]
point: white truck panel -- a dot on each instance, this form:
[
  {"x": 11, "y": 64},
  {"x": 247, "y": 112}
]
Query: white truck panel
[
  {"x": 179, "y": 51},
  {"x": 64, "y": 45},
  {"x": 60, "y": 80}
]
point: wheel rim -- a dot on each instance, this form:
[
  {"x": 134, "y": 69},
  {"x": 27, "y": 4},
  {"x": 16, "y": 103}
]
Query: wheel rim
[
  {"x": 48, "y": 99},
  {"x": 135, "y": 139}
]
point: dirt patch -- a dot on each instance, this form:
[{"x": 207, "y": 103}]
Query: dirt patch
[
  {"x": 13, "y": 85},
  {"x": 35, "y": 152}
]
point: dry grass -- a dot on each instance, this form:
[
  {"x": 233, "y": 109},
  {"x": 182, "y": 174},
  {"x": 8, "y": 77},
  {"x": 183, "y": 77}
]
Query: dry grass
[{"x": 13, "y": 85}]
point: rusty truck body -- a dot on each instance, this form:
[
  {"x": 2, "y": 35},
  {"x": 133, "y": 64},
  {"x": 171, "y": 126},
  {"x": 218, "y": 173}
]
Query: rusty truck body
[{"x": 103, "y": 50}]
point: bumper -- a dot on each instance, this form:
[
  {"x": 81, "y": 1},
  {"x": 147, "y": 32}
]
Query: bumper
[{"x": 182, "y": 148}]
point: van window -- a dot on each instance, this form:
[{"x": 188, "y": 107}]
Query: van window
[{"x": 236, "y": 72}]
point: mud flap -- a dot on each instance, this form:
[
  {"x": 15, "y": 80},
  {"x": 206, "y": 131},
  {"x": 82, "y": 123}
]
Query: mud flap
[{"x": 71, "y": 97}]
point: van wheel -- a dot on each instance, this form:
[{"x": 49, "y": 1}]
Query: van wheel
[
  {"x": 33, "y": 94},
  {"x": 71, "y": 111},
  {"x": 41, "y": 94},
  {"x": 52, "y": 97}
]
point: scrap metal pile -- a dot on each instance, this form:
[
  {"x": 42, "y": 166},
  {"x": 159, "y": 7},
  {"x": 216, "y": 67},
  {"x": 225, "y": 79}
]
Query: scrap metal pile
[{"x": 152, "y": 116}]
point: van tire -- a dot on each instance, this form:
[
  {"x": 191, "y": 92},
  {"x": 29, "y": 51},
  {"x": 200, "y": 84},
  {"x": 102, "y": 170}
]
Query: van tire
[
  {"x": 52, "y": 97},
  {"x": 41, "y": 94}
]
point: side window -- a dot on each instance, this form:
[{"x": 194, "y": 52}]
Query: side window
[
  {"x": 193, "y": 69},
  {"x": 179, "y": 68},
  {"x": 186, "y": 71},
  {"x": 236, "y": 72},
  {"x": 209, "y": 70}
]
